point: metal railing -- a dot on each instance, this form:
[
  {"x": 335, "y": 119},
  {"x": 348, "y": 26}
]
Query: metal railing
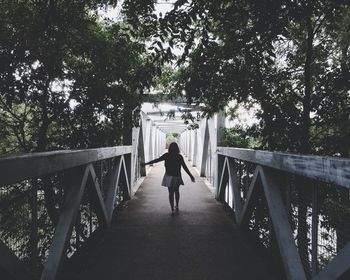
[
  {"x": 52, "y": 202},
  {"x": 296, "y": 208}
]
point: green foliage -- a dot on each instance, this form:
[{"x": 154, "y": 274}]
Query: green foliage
[
  {"x": 166, "y": 80},
  {"x": 289, "y": 57},
  {"x": 67, "y": 79},
  {"x": 241, "y": 138},
  {"x": 172, "y": 137}
]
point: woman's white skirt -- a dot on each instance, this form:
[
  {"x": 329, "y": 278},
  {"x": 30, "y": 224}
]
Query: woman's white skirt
[{"x": 172, "y": 181}]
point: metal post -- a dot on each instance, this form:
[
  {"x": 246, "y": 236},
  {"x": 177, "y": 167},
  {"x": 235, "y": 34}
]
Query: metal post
[
  {"x": 314, "y": 244},
  {"x": 184, "y": 141},
  {"x": 195, "y": 149},
  {"x": 90, "y": 219},
  {"x": 220, "y": 166},
  {"x": 288, "y": 201},
  {"x": 150, "y": 143},
  {"x": 127, "y": 160},
  {"x": 204, "y": 150},
  {"x": 189, "y": 145},
  {"x": 146, "y": 139},
  {"x": 34, "y": 223},
  {"x": 240, "y": 183},
  {"x": 134, "y": 154},
  {"x": 101, "y": 174},
  {"x": 157, "y": 143}
]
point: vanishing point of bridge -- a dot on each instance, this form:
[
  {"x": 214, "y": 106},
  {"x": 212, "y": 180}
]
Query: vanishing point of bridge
[{"x": 286, "y": 215}]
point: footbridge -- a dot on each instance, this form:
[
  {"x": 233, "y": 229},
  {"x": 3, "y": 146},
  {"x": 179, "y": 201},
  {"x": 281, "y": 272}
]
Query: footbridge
[{"x": 98, "y": 214}]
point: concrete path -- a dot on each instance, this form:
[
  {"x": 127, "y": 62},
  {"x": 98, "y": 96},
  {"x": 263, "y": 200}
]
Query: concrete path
[{"x": 146, "y": 242}]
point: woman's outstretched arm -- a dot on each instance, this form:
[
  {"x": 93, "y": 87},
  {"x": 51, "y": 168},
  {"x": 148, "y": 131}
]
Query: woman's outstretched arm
[
  {"x": 155, "y": 160},
  {"x": 186, "y": 169}
]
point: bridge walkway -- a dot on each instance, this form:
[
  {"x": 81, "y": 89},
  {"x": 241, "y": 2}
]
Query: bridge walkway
[{"x": 146, "y": 242}]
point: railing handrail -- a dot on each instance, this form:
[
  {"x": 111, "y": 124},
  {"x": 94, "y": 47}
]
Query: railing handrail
[
  {"x": 16, "y": 168},
  {"x": 82, "y": 199},
  {"x": 296, "y": 206},
  {"x": 322, "y": 168}
]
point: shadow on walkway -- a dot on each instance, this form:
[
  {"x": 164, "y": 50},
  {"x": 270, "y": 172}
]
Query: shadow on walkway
[{"x": 145, "y": 242}]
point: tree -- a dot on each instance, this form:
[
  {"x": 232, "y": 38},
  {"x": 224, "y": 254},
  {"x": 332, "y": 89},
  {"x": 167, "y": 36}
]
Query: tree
[{"x": 68, "y": 80}]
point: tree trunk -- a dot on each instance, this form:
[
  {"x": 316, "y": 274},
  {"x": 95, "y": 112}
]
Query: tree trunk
[
  {"x": 345, "y": 70},
  {"x": 344, "y": 65},
  {"x": 45, "y": 122},
  {"x": 302, "y": 240},
  {"x": 306, "y": 121},
  {"x": 42, "y": 143},
  {"x": 261, "y": 95}
]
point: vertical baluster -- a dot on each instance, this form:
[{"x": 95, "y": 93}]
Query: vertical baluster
[
  {"x": 34, "y": 222},
  {"x": 247, "y": 175},
  {"x": 101, "y": 174},
  {"x": 240, "y": 179},
  {"x": 314, "y": 248},
  {"x": 77, "y": 240},
  {"x": 90, "y": 218},
  {"x": 138, "y": 166},
  {"x": 220, "y": 166},
  {"x": 288, "y": 199}
]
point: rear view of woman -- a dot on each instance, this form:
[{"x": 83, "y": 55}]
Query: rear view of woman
[{"x": 172, "y": 178}]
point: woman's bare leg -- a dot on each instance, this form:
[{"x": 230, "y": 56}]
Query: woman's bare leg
[
  {"x": 171, "y": 198},
  {"x": 177, "y": 197}
]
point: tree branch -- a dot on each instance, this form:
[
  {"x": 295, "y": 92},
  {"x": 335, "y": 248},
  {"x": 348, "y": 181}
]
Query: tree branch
[
  {"x": 8, "y": 110},
  {"x": 318, "y": 26}
]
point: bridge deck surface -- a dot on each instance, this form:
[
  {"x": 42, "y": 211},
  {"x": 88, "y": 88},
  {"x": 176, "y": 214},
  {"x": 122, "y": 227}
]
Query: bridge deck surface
[{"x": 145, "y": 242}]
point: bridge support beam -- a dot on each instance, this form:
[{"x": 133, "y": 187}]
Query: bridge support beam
[
  {"x": 153, "y": 139},
  {"x": 200, "y": 146},
  {"x": 65, "y": 226},
  {"x": 290, "y": 257}
]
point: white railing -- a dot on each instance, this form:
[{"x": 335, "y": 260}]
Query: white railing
[
  {"x": 101, "y": 174},
  {"x": 295, "y": 192},
  {"x": 63, "y": 198},
  {"x": 295, "y": 208}
]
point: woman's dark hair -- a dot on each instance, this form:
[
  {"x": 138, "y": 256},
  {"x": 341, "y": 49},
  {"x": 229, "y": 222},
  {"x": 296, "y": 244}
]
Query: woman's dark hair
[{"x": 173, "y": 148}]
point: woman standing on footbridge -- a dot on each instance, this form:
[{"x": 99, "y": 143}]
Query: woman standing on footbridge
[{"x": 172, "y": 178}]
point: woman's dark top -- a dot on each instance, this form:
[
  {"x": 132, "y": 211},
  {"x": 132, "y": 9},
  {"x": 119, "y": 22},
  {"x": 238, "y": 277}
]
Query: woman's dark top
[{"x": 173, "y": 163}]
